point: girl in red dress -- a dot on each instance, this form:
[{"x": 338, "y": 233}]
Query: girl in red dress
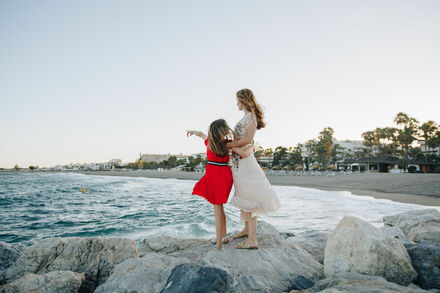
[{"x": 216, "y": 184}]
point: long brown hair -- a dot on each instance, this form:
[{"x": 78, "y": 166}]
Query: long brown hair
[
  {"x": 247, "y": 98},
  {"x": 218, "y": 135}
]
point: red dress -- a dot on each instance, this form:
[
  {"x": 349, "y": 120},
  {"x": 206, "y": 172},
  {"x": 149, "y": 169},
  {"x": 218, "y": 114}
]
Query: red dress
[{"x": 216, "y": 184}]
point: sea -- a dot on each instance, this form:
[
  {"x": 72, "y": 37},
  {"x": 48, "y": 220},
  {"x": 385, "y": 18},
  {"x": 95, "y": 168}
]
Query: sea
[{"x": 34, "y": 206}]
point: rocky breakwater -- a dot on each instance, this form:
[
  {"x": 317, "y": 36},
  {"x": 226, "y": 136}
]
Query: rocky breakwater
[{"x": 354, "y": 257}]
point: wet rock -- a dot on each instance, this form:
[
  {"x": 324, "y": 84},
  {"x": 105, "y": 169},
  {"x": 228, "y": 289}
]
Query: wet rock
[
  {"x": 55, "y": 281},
  {"x": 357, "y": 246},
  {"x": 191, "y": 277},
  {"x": 8, "y": 255},
  {"x": 417, "y": 225},
  {"x": 95, "y": 257},
  {"x": 143, "y": 275},
  {"x": 425, "y": 259}
]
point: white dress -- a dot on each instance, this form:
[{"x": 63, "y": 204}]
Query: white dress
[{"x": 253, "y": 192}]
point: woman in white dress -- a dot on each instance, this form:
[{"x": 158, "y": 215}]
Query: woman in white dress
[{"x": 254, "y": 195}]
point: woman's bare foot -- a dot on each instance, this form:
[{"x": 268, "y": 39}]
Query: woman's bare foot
[
  {"x": 241, "y": 234},
  {"x": 225, "y": 239},
  {"x": 247, "y": 245}
]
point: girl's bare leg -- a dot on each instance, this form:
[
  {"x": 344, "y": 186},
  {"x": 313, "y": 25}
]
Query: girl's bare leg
[
  {"x": 218, "y": 225},
  {"x": 224, "y": 232}
]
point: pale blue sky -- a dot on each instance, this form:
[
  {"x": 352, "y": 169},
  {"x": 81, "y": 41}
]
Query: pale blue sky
[{"x": 87, "y": 81}]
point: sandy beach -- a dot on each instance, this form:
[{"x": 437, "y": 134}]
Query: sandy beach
[{"x": 421, "y": 189}]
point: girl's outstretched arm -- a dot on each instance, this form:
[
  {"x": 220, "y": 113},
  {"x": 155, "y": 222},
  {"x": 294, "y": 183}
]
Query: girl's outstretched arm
[
  {"x": 244, "y": 152},
  {"x": 198, "y": 133}
]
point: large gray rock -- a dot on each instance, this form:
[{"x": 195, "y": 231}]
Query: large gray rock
[
  {"x": 168, "y": 244},
  {"x": 357, "y": 246},
  {"x": 191, "y": 277},
  {"x": 354, "y": 282},
  {"x": 313, "y": 242},
  {"x": 55, "y": 281},
  {"x": 95, "y": 257},
  {"x": 267, "y": 269},
  {"x": 8, "y": 255},
  {"x": 143, "y": 275},
  {"x": 425, "y": 259},
  {"x": 417, "y": 225}
]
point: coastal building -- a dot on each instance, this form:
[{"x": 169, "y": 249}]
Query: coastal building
[
  {"x": 426, "y": 149},
  {"x": 115, "y": 162},
  {"x": 385, "y": 164},
  {"x": 155, "y": 158}
]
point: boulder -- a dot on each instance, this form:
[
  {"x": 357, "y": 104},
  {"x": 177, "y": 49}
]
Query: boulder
[
  {"x": 169, "y": 244},
  {"x": 355, "y": 282},
  {"x": 192, "y": 277},
  {"x": 144, "y": 275},
  {"x": 313, "y": 242},
  {"x": 95, "y": 257},
  {"x": 357, "y": 246},
  {"x": 8, "y": 255},
  {"x": 267, "y": 269},
  {"x": 55, "y": 281},
  {"x": 425, "y": 259},
  {"x": 417, "y": 225}
]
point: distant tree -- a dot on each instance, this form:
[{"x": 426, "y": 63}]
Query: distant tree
[
  {"x": 32, "y": 168},
  {"x": 310, "y": 148},
  {"x": 324, "y": 146},
  {"x": 280, "y": 156},
  {"x": 16, "y": 167},
  {"x": 295, "y": 155},
  {"x": 408, "y": 129},
  {"x": 427, "y": 131},
  {"x": 258, "y": 152}
]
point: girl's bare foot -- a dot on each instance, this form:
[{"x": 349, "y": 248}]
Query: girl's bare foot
[
  {"x": 241, "y": 234},
  {"x": 218, "y": 246}
]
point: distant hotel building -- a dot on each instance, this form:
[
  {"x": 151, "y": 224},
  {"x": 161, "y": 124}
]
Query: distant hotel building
[{"x": 157, "y": 158}]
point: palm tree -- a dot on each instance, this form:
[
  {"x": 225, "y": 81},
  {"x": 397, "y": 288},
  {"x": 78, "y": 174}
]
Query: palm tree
[
  {"x": 407, "y": 131},
  {"x": 427, "y": 131}
]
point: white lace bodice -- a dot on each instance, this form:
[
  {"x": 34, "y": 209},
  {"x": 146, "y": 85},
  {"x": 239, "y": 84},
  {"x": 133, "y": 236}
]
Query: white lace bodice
[{"x": 242, "y": 125}]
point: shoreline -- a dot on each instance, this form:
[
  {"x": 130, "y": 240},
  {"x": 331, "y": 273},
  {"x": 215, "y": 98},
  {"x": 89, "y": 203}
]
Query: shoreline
[{"x": 420, "y": 189}]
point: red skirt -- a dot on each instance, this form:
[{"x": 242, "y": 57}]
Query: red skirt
[{"x": 215, "y": 185}]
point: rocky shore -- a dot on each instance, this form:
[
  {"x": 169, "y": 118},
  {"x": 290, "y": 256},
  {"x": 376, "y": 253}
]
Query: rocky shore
[{"x": 401, "y": 256}]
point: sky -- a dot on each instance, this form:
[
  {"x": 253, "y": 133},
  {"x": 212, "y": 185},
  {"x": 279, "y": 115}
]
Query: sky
[{"x": 88, "y": 81}]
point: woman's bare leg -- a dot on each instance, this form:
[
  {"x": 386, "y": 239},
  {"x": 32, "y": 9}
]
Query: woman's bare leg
[
  {"x": 245, "y": 231},
  {"x": 218, "y": 225},
  {"x": 252, "y": 237}
]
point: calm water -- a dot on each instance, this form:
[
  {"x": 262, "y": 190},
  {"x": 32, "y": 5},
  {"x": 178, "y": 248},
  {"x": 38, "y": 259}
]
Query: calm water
[{"x": 36, "y": 206}]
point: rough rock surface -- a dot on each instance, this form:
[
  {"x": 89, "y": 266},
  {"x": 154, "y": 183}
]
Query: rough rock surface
[
  {"x": 167, "y": 244},
  {"x": 95, "y": 257},
  {"x": 267, "y": 269},
  {"x": 417, "y": 225},
  {"x": 354, "y": 282},
  {"x": 425, "y": 259},
  {"x": 357, "y": 246},
  {"x": 313, "y": 242},
  {"x": 191, "y": 277},
  {"x": 143, "y": 275},
  {"x": 55, "y": 281},
  {"x": 8, "y": 255}
]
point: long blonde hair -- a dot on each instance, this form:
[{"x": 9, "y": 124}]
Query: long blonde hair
[
  {"x": 218, "y": 135},
  {"x": 247, "y": 98}
]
